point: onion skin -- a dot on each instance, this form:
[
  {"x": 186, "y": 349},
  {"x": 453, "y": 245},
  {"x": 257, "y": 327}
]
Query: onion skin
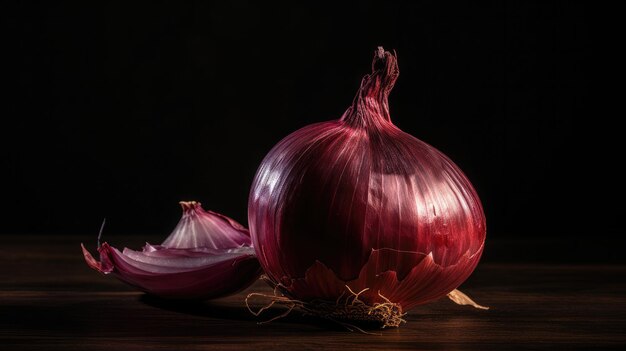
[
  {"x": 358, "y": 202},
  {"x": 207, "y": 256}
]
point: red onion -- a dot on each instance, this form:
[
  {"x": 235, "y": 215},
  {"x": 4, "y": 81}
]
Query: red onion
[
  {"x": 357, "y": 203},
  {"x": 207, "y": 256}
]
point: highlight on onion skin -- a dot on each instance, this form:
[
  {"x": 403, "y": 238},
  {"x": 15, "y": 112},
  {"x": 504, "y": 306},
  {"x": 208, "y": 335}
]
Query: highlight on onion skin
[
  {"x": 357, "y": 202},
  {"x": 207, "y": 256}
]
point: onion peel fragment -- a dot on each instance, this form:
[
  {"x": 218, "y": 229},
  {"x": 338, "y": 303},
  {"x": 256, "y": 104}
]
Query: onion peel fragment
[
  {"x": 460, "y": 298},
  {"x": 208, "y": 255}
]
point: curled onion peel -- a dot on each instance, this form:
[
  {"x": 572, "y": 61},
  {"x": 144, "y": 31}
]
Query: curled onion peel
[
  {"x": 357, "y": 204},
  {"x": 207, "y": 256}
]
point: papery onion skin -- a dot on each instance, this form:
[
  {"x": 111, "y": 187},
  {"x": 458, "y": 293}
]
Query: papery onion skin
[
  {"x": 207, "y": 256},
  {"x": 358, "y": 202}
]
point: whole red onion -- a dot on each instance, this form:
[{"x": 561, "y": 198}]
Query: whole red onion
[{"x": 358, "y": 203}]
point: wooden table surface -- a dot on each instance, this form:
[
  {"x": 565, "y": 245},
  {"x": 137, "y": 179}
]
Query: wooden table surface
[{"x": 50, "y": 300}]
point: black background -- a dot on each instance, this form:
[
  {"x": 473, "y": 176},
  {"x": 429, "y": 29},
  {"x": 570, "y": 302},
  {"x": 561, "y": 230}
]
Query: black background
[{"x": 121, "y": 110}]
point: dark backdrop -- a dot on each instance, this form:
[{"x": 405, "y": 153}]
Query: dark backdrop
[{"x": 122, "y": 110}]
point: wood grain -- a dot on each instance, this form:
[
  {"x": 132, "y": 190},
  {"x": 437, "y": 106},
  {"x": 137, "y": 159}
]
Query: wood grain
[{"x": 50, "y": 300}]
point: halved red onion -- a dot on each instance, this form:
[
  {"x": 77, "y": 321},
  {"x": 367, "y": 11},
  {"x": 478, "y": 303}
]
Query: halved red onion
[{"x": 207, "y": 256}]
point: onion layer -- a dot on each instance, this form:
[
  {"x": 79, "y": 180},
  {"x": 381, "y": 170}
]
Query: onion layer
[
  {"x": 207, "y": 256},
  {"x": 357, "y": 203}
]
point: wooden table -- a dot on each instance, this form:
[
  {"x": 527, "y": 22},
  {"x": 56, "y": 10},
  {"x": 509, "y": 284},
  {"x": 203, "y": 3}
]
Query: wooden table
[{"x": 49, "y": 299}]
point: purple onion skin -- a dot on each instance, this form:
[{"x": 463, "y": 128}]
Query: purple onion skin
[
  {"x": 211, "y": 281},
  {"x": 358, "y": 202},
  {"x": 207, "y": 256}
]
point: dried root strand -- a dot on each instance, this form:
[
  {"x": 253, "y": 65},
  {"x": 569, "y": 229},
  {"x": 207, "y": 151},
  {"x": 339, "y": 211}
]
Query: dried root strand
[{"x": 347, "y": 310}]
